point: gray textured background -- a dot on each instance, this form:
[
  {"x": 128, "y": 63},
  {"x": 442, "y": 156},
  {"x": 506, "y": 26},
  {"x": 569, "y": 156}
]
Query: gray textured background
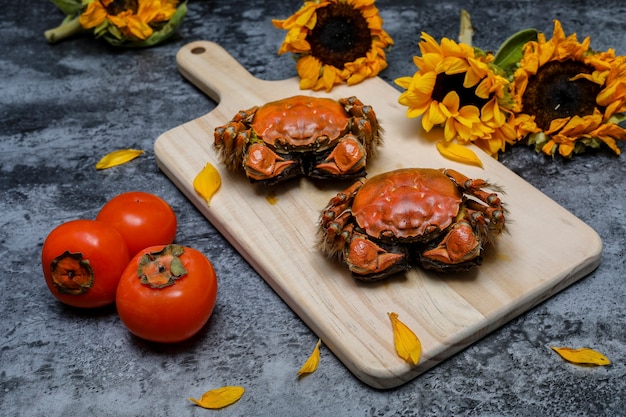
[{"x": 64, "y": 106}]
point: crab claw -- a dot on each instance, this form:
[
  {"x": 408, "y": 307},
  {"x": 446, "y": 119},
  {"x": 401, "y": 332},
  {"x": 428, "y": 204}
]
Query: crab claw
[
  {"x": 348, "y": 157},
  {"x": 369, "y": 261},
  {"x": 262, "y": 163},
  {"x": 460, "y": 249}
]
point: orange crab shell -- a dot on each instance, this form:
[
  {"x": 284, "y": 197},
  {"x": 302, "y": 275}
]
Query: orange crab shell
[
  {"x": 300, "y": 121},
  {"x": 407, "y": 204}
]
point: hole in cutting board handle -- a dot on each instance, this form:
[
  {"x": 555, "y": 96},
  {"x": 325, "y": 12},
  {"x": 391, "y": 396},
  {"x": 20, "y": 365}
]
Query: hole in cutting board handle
[{"x": 210, "y": 68}]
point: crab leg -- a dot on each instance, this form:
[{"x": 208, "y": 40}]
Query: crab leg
[
  {"x": 492, "y": 209},
  {"x": 230, "y": 142},
  {"x": 491, "y": 218},
  {"x": 365, "y": 124},
  {"x": 334, "y": 220}
]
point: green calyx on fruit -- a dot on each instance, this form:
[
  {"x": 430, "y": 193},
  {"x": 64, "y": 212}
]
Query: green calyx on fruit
[{"x": 162, "y": 268}]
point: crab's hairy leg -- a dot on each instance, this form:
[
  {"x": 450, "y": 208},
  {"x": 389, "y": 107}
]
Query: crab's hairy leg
[
  {"x": 232, "y": 138},
  {"x": 369, "y": 136},
  {"x": 261, "y": 163},
  {"x": 357, "y": 109},
  {"x": 247, "y": 116},
  {"x": 230, "y": 143},
  {"x": 348, "y": 157},
  {"x": 491, "y": 208},
  {"x": 336, "y": 220},
  {"x": 365, "y": 124},
  {"x": 492, "y": 219},
  {"x": 462, "y": 180},
  {"x": 336, "y": 236}
]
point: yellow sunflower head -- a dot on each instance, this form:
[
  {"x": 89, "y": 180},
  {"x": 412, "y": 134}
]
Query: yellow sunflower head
[
  {"x": 569, "y": 97},
  {"x": 133, "y": 22},
  {"x": 457, "y": 87},
  {"x": 335, "y": 41}
]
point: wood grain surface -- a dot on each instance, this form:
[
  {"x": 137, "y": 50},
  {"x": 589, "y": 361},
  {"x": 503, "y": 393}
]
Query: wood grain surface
[{"x": 545, "y": 250}]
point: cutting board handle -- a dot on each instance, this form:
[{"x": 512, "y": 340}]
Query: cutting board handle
[{"x": 213, "y": 70}]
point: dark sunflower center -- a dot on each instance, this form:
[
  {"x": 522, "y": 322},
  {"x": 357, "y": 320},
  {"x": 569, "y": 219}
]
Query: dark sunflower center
[
  {"x": 118, "y": 6},
  {"x": 551, "y": 94},
  {"x": 341, "y": 35},
  {"x": 467, "y": 96}
]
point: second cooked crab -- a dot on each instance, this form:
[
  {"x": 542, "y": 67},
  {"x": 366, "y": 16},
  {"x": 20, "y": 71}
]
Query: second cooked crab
[
  {"x": 439, "y": 219},
  {"x": 300, "y": 135}
]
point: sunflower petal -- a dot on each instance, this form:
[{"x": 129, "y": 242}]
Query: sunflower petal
[
  {"x": 582, "y": 356},
  {"x": 94, "y": 15},
  {"x": 312, "y": 362},
  {"x": 219, "y": 398},
  {"x": 207, "y": 182},
  {"x": 118, "y": 157},
  {"x": 458, "y": 153},
  {"x": 407, "y": 344}
]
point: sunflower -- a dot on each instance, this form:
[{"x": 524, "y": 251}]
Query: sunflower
[
  {"x": 135, "y": 23},
  {"x": 457, "y": 87},
  {"x": 133, "y": 18},
  {"x": 569, "y": 97},
  {"x": 335, "y": 41}
]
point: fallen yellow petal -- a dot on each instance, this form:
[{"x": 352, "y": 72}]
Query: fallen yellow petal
[
  {"x": 311, "y": 364},
  {"x": 582, "y": 356},
  {"x": 207, "y": 182},
  {"x": 271, "y": 198},
  {"x": 118, "y": 157},
  {"x": 219, "y": 398},
  {"x": 408, "y": 345},
  {"x": 458, "y": 153},
  {"x": 466, "y": 30}
]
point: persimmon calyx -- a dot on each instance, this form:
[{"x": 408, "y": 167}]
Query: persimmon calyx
[
  {"x": 71, "y": 274},
  {"x": 162, "y": 268}
]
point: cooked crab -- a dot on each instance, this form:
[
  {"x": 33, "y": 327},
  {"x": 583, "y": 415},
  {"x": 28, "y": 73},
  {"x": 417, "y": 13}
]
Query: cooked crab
[
  {"x": 439, "y": 219},
  {"x": 300, "y": 135}
]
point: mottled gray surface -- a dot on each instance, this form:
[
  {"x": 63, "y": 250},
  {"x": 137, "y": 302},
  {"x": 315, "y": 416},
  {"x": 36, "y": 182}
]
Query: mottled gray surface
[{"x": 64, "y": 106}]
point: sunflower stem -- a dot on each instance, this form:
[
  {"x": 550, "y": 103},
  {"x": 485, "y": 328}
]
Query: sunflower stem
[{"x": 64, "y": 30}]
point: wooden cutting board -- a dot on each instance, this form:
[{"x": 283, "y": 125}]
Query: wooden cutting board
[{"x": 547, "y": 248}]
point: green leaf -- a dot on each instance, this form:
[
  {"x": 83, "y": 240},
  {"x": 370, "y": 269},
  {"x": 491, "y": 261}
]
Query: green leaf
[
  {"x": 617, "y": 118},
  {"x": 537, "y": 140},
  {"x": 458, "y": 153},
  {"x": 510, "y": 52},
  {"x": 161, "y": 268},
  {"x": 69, "y": 7}
]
